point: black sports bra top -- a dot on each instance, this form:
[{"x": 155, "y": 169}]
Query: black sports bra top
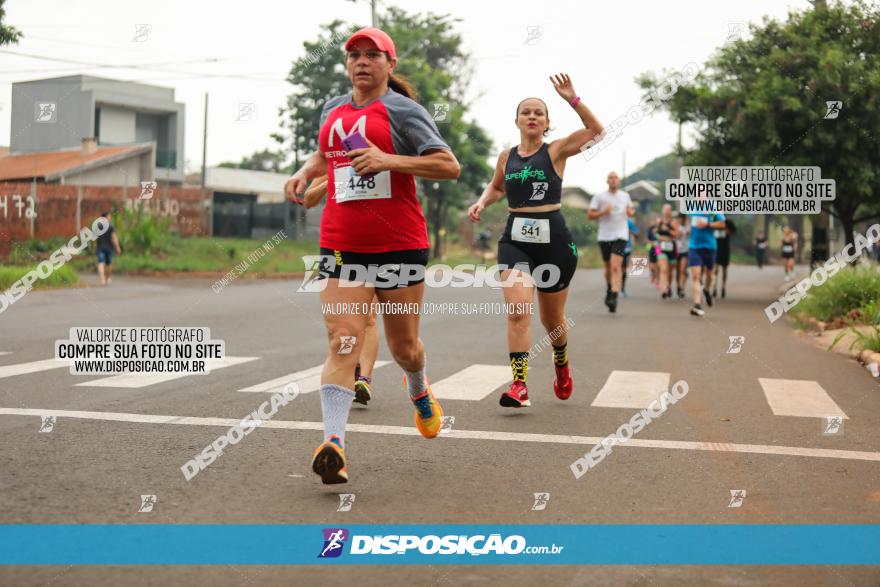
[{"x": 531, "y": 181}]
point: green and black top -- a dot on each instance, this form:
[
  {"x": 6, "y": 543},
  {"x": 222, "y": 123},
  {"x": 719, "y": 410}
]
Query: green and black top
[{"x": 531, "y": 181}]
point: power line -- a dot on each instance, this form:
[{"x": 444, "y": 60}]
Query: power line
[
  {"x": 81, "y": 44},
  {"x": 108, "y": 65},
  {"x": 156, "y": 66},
  {"x": 186, "y": 75}
]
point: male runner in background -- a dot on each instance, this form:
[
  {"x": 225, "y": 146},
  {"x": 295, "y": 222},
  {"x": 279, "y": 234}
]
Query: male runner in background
[{"x": 611, "y": 209}]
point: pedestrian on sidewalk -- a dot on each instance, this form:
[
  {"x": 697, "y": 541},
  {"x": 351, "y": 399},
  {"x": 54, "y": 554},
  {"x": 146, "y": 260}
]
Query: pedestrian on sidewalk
[{"x": 108, "y": 243}]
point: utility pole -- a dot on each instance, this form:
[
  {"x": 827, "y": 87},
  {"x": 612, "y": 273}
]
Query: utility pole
[
  {"x": 209, "y": 204},
  {"x": 679, "y": 153},
  {"x": 300, "y": 227},
  {"x": 205, "y": 140},
  {"x": 374, "y": 22},
  {"x": 295, "y": 147}
]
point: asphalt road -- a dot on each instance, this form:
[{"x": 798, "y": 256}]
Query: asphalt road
[{"x": 723, "y": 436}]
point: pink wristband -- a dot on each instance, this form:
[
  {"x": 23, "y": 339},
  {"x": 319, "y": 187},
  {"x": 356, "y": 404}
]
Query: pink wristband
[{"x": 575, "y": 101}]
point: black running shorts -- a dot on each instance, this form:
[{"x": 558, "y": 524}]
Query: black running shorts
[
  {"x": 616, "y": 247},
  {"x": 536, "y": 239},
  {"x": 391, "y": 270}
]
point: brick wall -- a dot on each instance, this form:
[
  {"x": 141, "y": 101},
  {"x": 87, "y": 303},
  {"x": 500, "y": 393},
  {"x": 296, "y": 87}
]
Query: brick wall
[{"x": 54, "y": 209}]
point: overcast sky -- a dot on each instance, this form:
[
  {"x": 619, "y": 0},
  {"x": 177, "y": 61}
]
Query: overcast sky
[{"x": 602, "y": 45}]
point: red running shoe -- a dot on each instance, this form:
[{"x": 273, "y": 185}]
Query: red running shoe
[
  {"x": 516, "y": 396},
  {"x": 563, "y": 385}
]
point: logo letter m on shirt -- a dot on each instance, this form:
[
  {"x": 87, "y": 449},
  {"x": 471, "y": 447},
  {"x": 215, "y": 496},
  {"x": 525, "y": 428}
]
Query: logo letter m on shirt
[{"x": 336, "y": 130}]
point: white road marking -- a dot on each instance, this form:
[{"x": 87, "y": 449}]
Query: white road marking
[
  {"x": 308, "y": 380},
  {"x": 792, "y": 451},
  {"x": 32, "y": 367},
  {"x": 135, "y": 380},
  {"x": 5, "y": 352},
  {"x": 472, "y": 383},
  {"x": 631, "y": 389},
  {"x": 792, "y": 397}
]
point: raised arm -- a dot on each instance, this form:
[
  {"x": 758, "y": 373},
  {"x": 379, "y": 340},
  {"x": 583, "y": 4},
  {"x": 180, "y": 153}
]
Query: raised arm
[{"x": 572, "y": 144}]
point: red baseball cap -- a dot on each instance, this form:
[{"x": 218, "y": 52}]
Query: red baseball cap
[{"x": 379, "y": 37}]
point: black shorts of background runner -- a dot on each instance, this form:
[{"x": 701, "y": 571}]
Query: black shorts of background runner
[
  {"x": 333, "y": 262},
  {"x": 722, "y": 256},
  {"x": 617, "y": 247},
  {"x": 560, "y": 251}
]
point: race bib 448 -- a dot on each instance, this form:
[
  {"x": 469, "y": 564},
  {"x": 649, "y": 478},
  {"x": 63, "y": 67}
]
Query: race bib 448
[{"x": 350, "y": 186}]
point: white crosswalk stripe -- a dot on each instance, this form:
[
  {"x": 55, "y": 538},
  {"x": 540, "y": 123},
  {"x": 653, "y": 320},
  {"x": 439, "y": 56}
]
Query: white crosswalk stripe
[
  {"x": 622, "y": 389},
  {"x": 631, "y": 389},
  {"x": 472, "y": 383},
  {"x": 308, "y": 380},
  {"x": 792, "y": 397},
  {"x": 138, "y": 380},
  {"x": 31, "y": 367},
  {"x": 5, "y": 352}
]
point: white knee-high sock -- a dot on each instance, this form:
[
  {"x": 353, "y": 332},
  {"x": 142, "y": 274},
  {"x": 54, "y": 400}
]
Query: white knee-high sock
[{"x": 335, "y": 405}]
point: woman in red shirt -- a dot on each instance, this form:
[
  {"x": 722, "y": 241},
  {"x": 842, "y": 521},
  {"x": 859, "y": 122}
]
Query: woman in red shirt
[{"x": 373, "y": 230}]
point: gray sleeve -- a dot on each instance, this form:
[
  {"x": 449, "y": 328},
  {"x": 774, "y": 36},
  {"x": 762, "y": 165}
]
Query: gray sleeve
[
  {"x": 413, "y": 131},
  {"x": 329, "y": 105}
]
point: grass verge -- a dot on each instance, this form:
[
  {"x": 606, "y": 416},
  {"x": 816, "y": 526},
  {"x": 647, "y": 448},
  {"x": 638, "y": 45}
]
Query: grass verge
[
  {"x": 64, "y": 276},
  {"x": 852, "y": 296}
]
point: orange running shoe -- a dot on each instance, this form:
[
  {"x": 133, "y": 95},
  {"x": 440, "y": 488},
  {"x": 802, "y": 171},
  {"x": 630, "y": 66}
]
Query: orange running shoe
[
  {"x": 429, "y": 413},
  {"x": 329, "y": 462}
]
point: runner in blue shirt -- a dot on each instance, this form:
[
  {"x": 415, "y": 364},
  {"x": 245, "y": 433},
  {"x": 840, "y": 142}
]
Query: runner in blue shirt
[
  {"x": 701, "y": 253},
  {"x": 633, "y": 231}
]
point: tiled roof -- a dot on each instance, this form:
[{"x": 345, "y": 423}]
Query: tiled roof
[{"x": 47, "y": 164}]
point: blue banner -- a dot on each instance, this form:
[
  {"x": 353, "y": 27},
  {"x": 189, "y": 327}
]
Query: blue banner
[{"x": 478, "y": 544}]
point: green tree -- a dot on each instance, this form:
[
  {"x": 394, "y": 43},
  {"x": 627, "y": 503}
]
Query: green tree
[
  {"x": 431, "y": 57},
  {"x": 265, "y": 160},
  {"x": 8, "y": 35},
  {"x": 762, "y": 101}
]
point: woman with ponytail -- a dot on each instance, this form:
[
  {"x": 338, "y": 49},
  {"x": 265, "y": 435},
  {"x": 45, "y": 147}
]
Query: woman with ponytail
[{"x": 373, "y": 141}]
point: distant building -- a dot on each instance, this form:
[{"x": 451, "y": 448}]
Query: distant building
[
  {"x": 252, "y": 204},
  {"x": 642, "y": 191},
  {"x": 89, "y": 164},
  {"x": 576, "y": 198},
  {"x": 56, "y": 114}
]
